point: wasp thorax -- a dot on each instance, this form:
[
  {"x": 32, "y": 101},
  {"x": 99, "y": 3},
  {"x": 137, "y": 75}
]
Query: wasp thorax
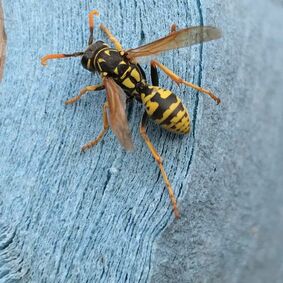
[{"x": 90, "y": 54}]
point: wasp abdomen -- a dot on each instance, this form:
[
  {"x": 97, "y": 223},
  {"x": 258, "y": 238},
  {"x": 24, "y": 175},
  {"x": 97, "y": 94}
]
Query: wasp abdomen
[{"x": 166, "y": 109}]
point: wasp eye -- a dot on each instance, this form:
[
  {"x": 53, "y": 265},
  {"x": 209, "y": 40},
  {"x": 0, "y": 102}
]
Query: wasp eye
[
  {"x": 84, "y": 61},
  {"x": 87, "y": 61}
]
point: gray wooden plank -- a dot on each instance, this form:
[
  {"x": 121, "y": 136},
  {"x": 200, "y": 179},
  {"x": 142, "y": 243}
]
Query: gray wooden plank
[{"x": 105, "y": 216}]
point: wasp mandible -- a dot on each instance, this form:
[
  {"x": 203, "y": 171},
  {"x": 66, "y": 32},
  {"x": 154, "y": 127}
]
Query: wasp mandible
[{"x": 122, "y": 77}]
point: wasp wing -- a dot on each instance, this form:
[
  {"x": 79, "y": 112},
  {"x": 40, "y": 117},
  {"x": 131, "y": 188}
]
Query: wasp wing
[
  {"x": 182, "y": 38},
  {"x": 116, "y": 114}
]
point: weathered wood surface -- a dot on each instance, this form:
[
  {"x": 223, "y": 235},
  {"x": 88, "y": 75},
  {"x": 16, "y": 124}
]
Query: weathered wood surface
[{"x": 105, "y": 216}]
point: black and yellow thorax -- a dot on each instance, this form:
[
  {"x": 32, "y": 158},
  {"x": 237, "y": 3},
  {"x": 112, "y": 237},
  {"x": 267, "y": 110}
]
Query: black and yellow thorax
[{"x": 110, "y": 62}]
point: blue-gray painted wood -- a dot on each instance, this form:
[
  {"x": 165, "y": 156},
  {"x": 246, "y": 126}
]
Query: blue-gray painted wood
[{"x": 105, "y": 216}]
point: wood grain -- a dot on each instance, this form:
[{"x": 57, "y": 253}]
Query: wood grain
[
  {"x": 3, "y": 42},
  {"x": 105, "y": 216}
]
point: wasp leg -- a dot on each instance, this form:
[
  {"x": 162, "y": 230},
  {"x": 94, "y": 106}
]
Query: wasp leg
[
  {"x": 112, "y": 38},
  {"x": 154, "y": 75},
  {"x": 173, "y": 28},
  {"x": 158, "y": 160},
  {"x": 83, "y": 91},
  {"x": 91, "y": 24},
  {"x": 179, "y": 80},
  {"x": 102, "y": 133},
  {"x": 59, "y": 56}
]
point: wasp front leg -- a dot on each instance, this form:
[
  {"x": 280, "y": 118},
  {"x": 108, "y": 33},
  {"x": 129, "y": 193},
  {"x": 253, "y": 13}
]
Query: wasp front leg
[
  {"x": 84, "y": 91},
  {"x": 112, "y": 38},
  {"x": 158, "y": 160},
  {"x": 102, "y": 133},
  {"x": 179, "y": 80}
]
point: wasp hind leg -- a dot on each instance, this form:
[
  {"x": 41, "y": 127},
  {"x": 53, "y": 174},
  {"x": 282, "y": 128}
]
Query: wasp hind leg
[
  {"x": 101, "y": 134},
  {"x": 179, "y": 80},
  {"x": 155, "y": 82},
  {"x": 84, "y": 91},
  {"x": 112, "y": 38},
  {"x": 158, "y": 160}
]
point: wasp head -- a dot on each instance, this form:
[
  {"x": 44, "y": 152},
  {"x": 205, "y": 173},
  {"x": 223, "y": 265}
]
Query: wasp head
[{"x": 90, "y": 54}]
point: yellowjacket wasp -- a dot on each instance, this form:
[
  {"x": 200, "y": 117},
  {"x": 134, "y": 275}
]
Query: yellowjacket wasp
[{"x": 123, "y": 77}]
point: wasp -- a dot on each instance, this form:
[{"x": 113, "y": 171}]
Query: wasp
[{"x": 122, "y": 78}]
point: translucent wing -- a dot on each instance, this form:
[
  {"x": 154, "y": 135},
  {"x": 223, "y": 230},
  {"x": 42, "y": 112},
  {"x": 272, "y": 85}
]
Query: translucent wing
[
  {"x": 117, "y": 118},
  {"x": 182, "y": 38}
]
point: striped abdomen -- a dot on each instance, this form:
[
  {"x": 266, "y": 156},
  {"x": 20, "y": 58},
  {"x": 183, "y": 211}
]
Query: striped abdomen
[{"x": 166, "y": 109}]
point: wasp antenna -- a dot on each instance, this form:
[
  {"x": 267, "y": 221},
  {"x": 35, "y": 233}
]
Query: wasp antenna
[
  {"x": 59, "y": 56},
  {"x": 91, "y": 24}
]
